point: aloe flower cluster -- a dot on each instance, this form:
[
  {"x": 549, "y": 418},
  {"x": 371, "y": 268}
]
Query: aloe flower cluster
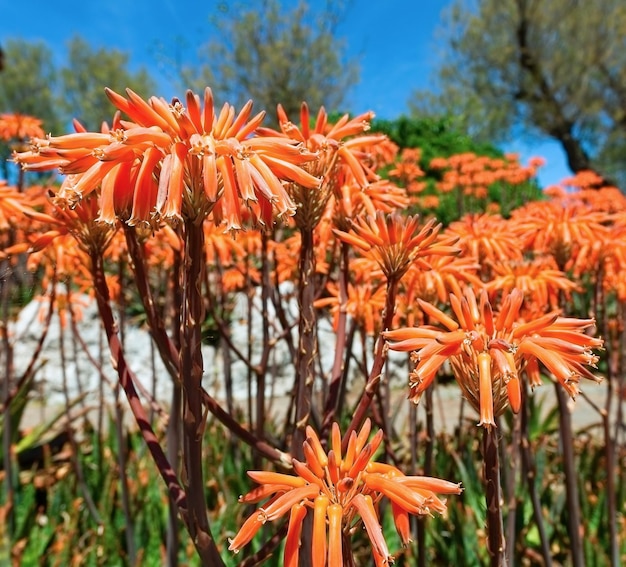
[{"x": 341, "y": 491}]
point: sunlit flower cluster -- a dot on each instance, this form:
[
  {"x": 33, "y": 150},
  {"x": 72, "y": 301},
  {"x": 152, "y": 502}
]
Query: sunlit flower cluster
[
  {"x": 489, "y": 350},
  {"x": 343, "y": 492},
  {"x": 172, "y": 161},
  {"x": 394, "y": 242}
]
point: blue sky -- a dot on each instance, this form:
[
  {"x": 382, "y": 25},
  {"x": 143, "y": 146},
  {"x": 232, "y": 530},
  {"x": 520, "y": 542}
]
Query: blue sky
[{"x": 393, "y": 40}]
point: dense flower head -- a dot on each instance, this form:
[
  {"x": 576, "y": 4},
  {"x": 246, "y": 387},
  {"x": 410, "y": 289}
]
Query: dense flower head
[
  {"x": 364, "y": 304},
  {"x": 562, "y": 229},
  {"x": 345, "y": 155},
  {"x": 342, "y": 142},
  {"x": 171, "y": 161},
  {"x": 19, "y": 127},
  {"x": 539, "y": 279},
  {"x": 489, "y": 350},
  {"x": 394, "y": 241},
  {"x": 341, "y": 491},
  {"x": 351, "y": 201},
  {"x": 486, "y": 238},
  {"x": 407, "y": 170}
]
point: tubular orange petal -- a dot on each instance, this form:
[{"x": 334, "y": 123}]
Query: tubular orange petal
[
  {"x": 292, "y": 542},
  {"x": 311, "y": 460},
  {"x": 238, "y": 123},
  {"x": 291, "y": 172},
  {"x": 535, "y": 326},
  {"x": 411, "y": 500},
  {"x": 438, "y": 315},
  {"x": 93, "y": 177},
  {"x": 230, "y": 198},
  {"x": 269, "y": 477},
  {"x": 365, "y": 508},
  {"x": 145, "y": 192},
  {"x": 552, "y": 361},
  {"x": 279, "y": 507},
  {"x": 244, "y": 179},
  {"x": 361, "y": 461},
  {"x": 193, "y": 110},
  {"x": 346, "y": 464},
  {"x": 319, "y": 545},
  {"x": 251, "y": 126},
  {"x": 363, "y": 435},
  {"x": 336, "y": 442},
  {"x": 485, "y": 390},
  {"x": 314, "y": 441},
  {"x": 402, "y": 522},
  {"x": 262, "y": 492},
  {"x": 176, "y": 185},
  {"x": 436, "y": 485},
  {"x": 487, "y": 314},
  {"x": 80, "y": 140},
  {"x": 248, "y": 530},
  {"x": 514, "y": 393},
  {"x": 208, "y": 112},
  {"x": 302, "y": 470},
  {"x": 335, "y": 552}
]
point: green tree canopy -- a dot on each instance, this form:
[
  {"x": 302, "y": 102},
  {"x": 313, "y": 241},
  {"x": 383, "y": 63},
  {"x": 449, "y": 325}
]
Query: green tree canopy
[
  {"x": 28, "y": 82},
  {"x": 87, "y": 72},
  {"x": 265, "y": 52},
  {"x": 31, "y": 82},
  {"x": 555, "y": 68}
]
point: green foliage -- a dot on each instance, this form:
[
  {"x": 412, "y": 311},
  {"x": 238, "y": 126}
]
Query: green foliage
[
  {"x": 556, "y": 69},
  {"x": 273, "y": 54},
  {"x": 29, "y": 82},
  {"x": 87, "y": 72},
  {"x": 438, "y": 137},
  {"x": 435, "y": 136}
]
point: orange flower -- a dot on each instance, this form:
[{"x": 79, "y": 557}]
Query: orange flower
[
  {"x": 394, "y": 242},
  {"x": 172, "y": 161},
  {"x": 557, "y": 228},
  {"x": 365, "y": 304},
  {"x": 19, "y": 127},
  {"x": 343, "y": 157},
  {"x": 538, "y": 279},
  {"x": 341, "y": 141},
  {"x": 486, "y": 238},
  {"x": 488, "y": 351},
  {"x": 379, "y": 196},
  {"x": 340, "y": 491}
]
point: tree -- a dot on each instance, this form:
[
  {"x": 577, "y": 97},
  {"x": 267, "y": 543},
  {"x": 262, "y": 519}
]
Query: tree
[
  {"x": 556, "y": 69},
  {"x": 28, "y": 82},
  {"x": 272, "y": 55},
  {"x": 88, "y": 71}
]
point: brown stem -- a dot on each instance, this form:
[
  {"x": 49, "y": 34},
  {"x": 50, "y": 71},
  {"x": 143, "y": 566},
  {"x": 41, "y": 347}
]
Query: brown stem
[
  {"x": 610, "y": 442},
  {"x": 191, "y": 370},
  {"x": 377, "y": 366},
  {"x": 126, "y": 378},
  {"x": 428, "y": 469},
  {"x": 571, "y": 478},
  {"x": 167, "y": 349},
  {"x": 307, "y": 344},
  {"x": 495, "y": 536},
  {"x": 332, "y": 400},
  {"x": 261, "y": 368}
]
